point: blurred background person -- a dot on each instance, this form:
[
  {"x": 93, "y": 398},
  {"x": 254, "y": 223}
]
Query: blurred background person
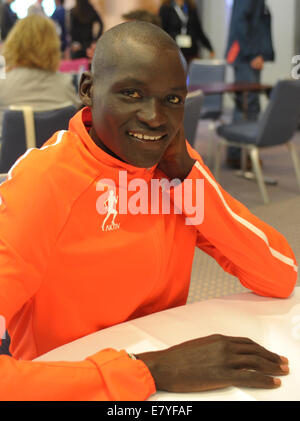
[
  {"x": 249, "y": 47},
  {"x": 143, "y": 15},
  {"x": 8, "y": 18},
  {"x": 86, "y": 27},
  {"x": 36, "y": 9},
  {"x": 181, "y": 21},
  {"x": 59, "y": 17},
  {"x": 32, "y": 54}
]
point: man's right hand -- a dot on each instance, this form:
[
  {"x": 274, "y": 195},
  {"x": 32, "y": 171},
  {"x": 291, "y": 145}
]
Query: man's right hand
[{"x": 215, "y": 362}]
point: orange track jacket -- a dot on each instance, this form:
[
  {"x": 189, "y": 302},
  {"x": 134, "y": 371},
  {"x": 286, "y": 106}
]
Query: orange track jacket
[{"x": 66, "y": 271}]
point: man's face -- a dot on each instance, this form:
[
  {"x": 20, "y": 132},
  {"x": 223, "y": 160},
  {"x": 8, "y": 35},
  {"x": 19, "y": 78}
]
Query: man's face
[{"x": 138, "y": 108}]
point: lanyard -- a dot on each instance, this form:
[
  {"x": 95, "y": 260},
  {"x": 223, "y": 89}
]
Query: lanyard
[{"x": 183, "y": 17}]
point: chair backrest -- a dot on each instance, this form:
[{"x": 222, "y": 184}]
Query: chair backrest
[
  {"x": 192, "y": 111},
  {"x": 280, "y": 120},
  {"x": 208, "y": 71},
  {"x": 17, "y": 137}
]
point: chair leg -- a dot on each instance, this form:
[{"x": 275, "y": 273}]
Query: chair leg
[
  {"x": 211, "y": 144},
  {"x": 218, "y": 156},
  {"x": 295, "y": 160},
  {"x": 244, "y": 160},
  {"x": 254, "y": 155}
]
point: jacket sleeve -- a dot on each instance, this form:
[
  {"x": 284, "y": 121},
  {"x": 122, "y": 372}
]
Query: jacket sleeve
[
  {"x": 244, "y": 246},
  {"x": 109, "y": 375}
]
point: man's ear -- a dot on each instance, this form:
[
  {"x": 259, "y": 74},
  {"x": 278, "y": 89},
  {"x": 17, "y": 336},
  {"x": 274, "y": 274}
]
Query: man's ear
[{"x": 86, "y": 88}]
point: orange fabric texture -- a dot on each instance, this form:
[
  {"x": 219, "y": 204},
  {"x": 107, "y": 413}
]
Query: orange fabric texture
[{"x": 66, "y": 273}]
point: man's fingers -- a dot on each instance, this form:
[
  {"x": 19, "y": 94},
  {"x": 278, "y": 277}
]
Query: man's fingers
[
  {"x": 245, "y": 378},
  {"x": 258, "y": 363},
  {"x": 241, "y": 345},
  {"x": 254, "y": 348}
]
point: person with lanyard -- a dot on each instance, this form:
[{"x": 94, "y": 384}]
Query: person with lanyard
[{"x": 181, "y": 21}]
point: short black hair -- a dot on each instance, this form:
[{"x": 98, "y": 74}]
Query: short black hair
[{"x": 111, "y": 41}]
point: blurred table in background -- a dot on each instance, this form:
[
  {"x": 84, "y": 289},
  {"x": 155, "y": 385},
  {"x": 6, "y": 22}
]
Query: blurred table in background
[{"x": 232, "y": 88}]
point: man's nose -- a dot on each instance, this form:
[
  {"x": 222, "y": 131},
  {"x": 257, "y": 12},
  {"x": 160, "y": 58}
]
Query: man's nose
[{"x": 151, "y": 113}]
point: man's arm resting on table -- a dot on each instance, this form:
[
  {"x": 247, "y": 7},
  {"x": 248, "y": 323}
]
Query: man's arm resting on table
[
  {"x": 245, "y": 246},
  {"x": 215, "y": 362}
]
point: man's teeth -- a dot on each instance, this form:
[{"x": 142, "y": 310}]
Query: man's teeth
[{"x": 144, "y": 137}]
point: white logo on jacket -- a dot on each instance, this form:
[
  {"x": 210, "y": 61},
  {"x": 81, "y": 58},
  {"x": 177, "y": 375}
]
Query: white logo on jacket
[{"x": 110, "y": 206}]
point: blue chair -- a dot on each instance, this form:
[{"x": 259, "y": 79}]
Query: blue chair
[
  {"x": 276, "y": 126},
  {"x": 23, "y": 129},
  {"x": 207, "y": 72},
  {"x": 192, "y": 111}
]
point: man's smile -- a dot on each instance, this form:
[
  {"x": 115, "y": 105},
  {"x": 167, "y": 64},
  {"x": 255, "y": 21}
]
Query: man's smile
[{"x": 145, "y": 137}]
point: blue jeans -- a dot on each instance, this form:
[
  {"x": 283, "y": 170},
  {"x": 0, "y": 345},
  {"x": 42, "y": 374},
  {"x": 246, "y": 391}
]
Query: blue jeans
[{"x": 243, "y": 72}]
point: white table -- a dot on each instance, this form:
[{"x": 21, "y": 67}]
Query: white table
[{"x": 273, "y": 323}]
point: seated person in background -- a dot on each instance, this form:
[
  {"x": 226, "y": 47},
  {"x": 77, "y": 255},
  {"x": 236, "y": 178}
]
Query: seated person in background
[
  {"x": 32, "y": 54},
  {"x": 181, "y": 20},
  {"x": 75, "y": 261}
]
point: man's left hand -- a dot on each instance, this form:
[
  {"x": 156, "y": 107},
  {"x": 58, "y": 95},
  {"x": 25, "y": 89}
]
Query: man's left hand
[{"x": 176, "y": 161}]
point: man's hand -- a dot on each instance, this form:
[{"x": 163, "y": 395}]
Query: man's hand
[
  {"x": 257, "y": 63},
  {"x": 176, "y": 161},
  {"x": 215, "y": 362}
]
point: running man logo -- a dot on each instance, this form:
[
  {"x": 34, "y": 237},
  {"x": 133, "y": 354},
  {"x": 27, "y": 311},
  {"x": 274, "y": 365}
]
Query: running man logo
[
  {"x": 2, "y": 67},
  {"x": 110, "y": 205},
  {"x": 2, "y": 327}
]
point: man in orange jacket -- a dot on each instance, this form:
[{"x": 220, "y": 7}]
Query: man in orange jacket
[{"x": 84, "y": 246}]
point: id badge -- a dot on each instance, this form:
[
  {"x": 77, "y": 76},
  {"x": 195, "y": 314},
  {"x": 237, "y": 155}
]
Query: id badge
[{"x": 184, "y": 41}]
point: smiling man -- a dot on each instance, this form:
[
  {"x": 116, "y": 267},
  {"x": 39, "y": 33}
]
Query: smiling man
[
  {"x": 133, "y": 133},
  {"x": 63, "y": 276}
]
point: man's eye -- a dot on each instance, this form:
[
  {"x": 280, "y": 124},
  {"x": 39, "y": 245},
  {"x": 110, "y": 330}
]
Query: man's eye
[
  {"x": 132, "y": 93},
  {"x": 174, "y": 99}
]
